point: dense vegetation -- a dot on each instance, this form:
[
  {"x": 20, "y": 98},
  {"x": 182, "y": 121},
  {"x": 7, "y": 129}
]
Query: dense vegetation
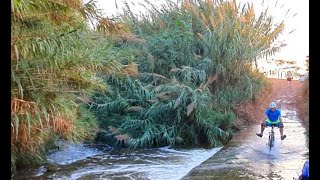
[
  {"x": 55, "y": 59},
  {"x": 195, "y": 62},
  {"x": 167, "y": 77}
]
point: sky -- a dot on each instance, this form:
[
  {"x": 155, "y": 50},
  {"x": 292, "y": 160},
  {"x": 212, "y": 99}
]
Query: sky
[{"x": 297, "y": 48}]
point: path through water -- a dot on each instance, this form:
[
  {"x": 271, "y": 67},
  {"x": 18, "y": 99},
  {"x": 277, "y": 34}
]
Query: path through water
[{"x": 247, "y": 156}]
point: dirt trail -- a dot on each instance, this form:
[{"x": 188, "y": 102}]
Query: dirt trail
[
  {"x": 290, "y": 96},
  {"x": 247, "y": 156}
]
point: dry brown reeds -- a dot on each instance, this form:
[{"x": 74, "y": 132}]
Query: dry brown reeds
[
  {"x": 19, "y": 106},
  {"x": 131, "y": 70},
  {"x": 212, "y": 22},
  {"x": 201, "y": 36}
]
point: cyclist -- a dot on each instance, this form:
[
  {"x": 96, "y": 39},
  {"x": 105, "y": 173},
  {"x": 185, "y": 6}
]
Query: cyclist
[{"x": 273, "y": 117}]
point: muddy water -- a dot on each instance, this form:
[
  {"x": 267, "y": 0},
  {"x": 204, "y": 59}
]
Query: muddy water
[
  {"x": 75, "y": 162},
  {"x": 247, "y": 156}
]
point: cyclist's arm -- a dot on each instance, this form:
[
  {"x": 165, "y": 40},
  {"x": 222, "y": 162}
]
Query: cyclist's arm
[
  {"x": 266, "y": 113},
  {"x": 280, "y": 116}
]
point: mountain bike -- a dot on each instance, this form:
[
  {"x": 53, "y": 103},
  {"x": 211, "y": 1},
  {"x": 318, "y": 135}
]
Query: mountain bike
[{"x": 271, "y": 137}]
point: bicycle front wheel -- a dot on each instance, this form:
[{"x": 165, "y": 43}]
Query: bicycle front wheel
[{"x": 270, "y": 142}]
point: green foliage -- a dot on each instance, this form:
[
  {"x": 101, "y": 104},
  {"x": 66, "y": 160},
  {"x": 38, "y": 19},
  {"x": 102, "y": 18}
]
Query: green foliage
[
  {"x": 168, "y": 114},
  {"x": 194, "y": 60},
  {"x": 55, "y": 59},
  {"x": 195, "y": 64}
]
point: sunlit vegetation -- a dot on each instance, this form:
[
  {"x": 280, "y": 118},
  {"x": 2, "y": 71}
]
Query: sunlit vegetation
[
  {"x": 55, "y": 59},
  {"x": 195, "y": 61},
  {"x": 167, "y": 77}
]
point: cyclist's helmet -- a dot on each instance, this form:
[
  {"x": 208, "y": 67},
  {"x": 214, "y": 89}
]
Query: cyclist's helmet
[{"x": 273, "y": 105}]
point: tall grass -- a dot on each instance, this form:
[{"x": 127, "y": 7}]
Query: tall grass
[
  {"x": 195, "y": 63},
  {"x": 55, "y": 60},
  {"x": 167, "y": 114}
]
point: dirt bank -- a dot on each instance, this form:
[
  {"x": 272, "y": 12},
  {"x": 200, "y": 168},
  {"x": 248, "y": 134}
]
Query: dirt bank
[{"x": 253, "y": 111}]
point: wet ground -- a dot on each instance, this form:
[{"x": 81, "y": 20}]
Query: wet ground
[{"x": 248, "y": 157}]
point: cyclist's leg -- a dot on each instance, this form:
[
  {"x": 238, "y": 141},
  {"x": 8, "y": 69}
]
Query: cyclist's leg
[
  {"x": 263, "y": 126},
  {"x": 280, "y": 125}
]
